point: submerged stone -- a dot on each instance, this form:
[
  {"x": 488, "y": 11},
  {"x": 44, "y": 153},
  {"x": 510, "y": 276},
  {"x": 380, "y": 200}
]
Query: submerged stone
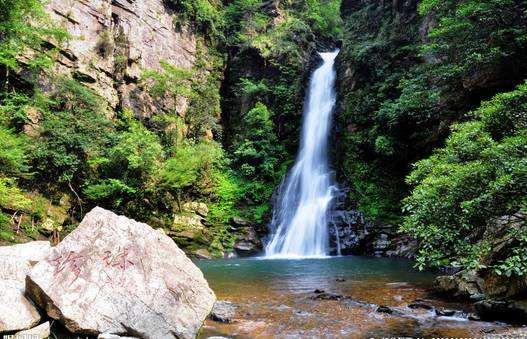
[
  {"x": 385, "y": 309},
  {"x": 420, "y": 304},
  {"x": 223, "y": 311}
]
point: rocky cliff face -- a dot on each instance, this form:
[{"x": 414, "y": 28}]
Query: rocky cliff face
[
  {"x": 113, "y": 41},
  {"x": 379, "y": 48}
]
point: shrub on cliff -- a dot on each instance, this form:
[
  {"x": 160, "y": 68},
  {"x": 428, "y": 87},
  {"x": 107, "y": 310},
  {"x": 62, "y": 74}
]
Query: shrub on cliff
[
  {"x": 412, "y": 77},
  {"x": 480, "y": 175}
]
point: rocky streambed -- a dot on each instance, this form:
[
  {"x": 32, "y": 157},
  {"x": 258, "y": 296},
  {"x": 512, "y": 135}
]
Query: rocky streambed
[{"x": 342, "y": 297}]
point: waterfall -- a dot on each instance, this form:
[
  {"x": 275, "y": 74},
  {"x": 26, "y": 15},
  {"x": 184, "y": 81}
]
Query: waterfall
[{"x": 300, "y": 216}]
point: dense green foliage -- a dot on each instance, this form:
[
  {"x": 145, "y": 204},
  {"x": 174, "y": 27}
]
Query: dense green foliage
[
  {"x": 479, "y": 175},
  {"x": 411, "y": 78},
  {"x": 269, "y": 46},
  {"x": 18, "y": 35},
  {"x": 438, "y": 84},
  {"x": 64, "y": 150}
]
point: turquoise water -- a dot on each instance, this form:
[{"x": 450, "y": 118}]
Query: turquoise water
[{"x": 308, "y": 274}]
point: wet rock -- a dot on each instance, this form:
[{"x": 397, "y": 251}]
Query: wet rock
[
  {"x": 246, "y": 248},
  {"x": 203, "y": 253},
  {"x": 41, "y": 331},
  {"x": 248, "y": 242},
  {"x": 403, "y": 246},
  {"x": 323, "y": 295},
  {"x": 382, "y": 242},
  {"x": 230, "y": 255},
  {"x": 282, "y": 307},
  {"x": 223, "y": 311},
  {"x": 238, "y": 222},
  {"x": 115, "y": 275},
  {"x": 385, "y": 309},
  {"x": 465, "y": 284},
  {"x": 420, "y": 304},
  {"x": 16, "y": 311},
  {"x": 347, "y": 231},
  {"x": 441, "y": 312},
  {"x": 328, "y": 296},
  {"x": 357, "y": 303},
  {"x": 473, "y": 317},
  {"x": 506, "y": 310}
]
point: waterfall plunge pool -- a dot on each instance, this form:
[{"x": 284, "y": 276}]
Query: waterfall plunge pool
[{"x": 275, "y": 298}]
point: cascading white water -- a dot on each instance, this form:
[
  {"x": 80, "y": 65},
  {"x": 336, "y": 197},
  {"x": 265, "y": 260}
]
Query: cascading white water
[{"x": 301, "y": 213}]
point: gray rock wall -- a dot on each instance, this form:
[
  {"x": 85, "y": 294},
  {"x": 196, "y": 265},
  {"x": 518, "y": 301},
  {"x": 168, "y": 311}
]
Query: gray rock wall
[{"x": 112, "y": 42}]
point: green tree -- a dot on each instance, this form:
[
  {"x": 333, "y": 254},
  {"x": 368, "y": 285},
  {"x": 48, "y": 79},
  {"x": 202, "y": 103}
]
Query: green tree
[
  {"x": 23, "y": 28},
  {"x": 479, "y": 175}
]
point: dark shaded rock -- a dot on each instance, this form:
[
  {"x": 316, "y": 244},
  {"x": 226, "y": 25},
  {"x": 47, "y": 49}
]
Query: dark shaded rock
[
  {"x": 445, "y": 312},
  {"x": 403, "y": 246},
  {"x": 465, "y": 284},
  {"x": 246, "y": 248},
  {"x": 420, "y": 304},
  {"x": 248, "y": 243},
  {"x": 238, "y": 222},
  {"x": 382, "y": 242},
  {"x": 351, "y": 233},
  {"x": 511, "y": 311},
  {"x": 385, "y": 309},
  {"x": 348, "y": 229},
  {"x": 340, "y": 280},
  {"x": 327, "y": 296},
  {"x": 474, "y": 317},
  {"x": 223, "y": 311}
]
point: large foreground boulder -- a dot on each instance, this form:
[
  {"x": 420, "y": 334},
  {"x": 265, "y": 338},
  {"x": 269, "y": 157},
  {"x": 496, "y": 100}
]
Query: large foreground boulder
[
  {"x": 115, "y": 275},
  {"x": 41, "y": 331},
  {"x": 16, "y": 311}
]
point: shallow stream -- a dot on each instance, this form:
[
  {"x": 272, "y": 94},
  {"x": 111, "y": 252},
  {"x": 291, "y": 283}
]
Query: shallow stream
[{"x": 276, "y": 298}]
